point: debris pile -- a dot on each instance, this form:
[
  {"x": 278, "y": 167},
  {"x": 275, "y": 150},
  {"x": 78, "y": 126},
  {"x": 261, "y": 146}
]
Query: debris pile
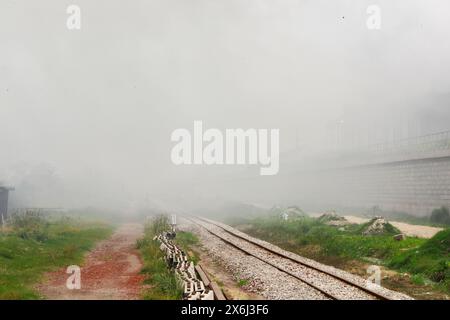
[
  {"x": 379, "y": 226},
  {"x": 333, "y": 219},
  {"x": 288, "y": 213}
]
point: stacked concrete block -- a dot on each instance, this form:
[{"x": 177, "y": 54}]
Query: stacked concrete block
[{"x": 193, "y": 287}]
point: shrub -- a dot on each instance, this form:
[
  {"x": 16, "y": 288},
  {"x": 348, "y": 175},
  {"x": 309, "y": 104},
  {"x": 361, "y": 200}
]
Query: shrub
[
  {"x": 440, "y": 216},
  {"x": 30, "y": 224},
  {"x": 429, "y": 259},
  {"x": 157, "y": 225}
]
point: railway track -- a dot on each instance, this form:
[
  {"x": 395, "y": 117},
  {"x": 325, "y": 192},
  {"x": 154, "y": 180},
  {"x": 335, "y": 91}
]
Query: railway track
[{"x": 327, "y": 281}]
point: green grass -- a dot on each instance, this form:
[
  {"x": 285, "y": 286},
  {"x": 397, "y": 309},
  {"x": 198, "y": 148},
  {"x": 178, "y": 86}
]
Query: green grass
[
  {"x": 418, "y": 279},
  {"x": 425, "y": 259},
  {"x": 185, "y": 240},
  {"x": 332, "y": 241},
  {"x": 431, "y": 259},
  {"x": 162, "y": 281},
  {"x": 24, "y": 259},
  {"x": 242, "y": 282}
]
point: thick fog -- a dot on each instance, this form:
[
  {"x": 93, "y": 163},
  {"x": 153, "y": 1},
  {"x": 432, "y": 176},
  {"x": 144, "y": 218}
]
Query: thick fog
[{"x": 86, "y": 115}]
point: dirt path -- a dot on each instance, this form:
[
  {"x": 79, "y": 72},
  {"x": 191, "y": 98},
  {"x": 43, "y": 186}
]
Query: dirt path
[{"x": 111, "y": 271}]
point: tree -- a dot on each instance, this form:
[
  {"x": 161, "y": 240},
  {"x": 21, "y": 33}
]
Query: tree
[{"x": 440, "y": 215}]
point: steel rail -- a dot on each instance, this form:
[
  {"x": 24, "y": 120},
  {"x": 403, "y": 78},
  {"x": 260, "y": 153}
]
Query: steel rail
[
  {"x": 327, "y": 294},
  {"x": 378, "y": 295}
]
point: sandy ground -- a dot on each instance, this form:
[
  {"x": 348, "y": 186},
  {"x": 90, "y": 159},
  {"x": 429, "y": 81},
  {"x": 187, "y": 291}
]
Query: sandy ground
[
  {"x": 411, "y": 230},
  {"x": 110, "y": 271},
  {"x": 408, "y": 229}
]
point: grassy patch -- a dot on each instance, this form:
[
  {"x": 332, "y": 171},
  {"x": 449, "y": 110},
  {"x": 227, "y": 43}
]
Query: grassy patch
[
  {"x": 418, "y": 279},
  {"x": 161, "y": 281},
  {"x": 30, "y": 249},
  {"x": 186, "y": 240},
  {"x": 431, "y": 259},
  {"x": 242, "y": 282},
  {"x": 330, "y": 240}
]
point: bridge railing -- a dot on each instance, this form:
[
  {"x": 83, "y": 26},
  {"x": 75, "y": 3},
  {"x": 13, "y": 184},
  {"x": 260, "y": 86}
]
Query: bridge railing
[{"x": 428, "y": 143}]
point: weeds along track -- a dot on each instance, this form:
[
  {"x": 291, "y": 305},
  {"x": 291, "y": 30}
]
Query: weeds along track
[{"x": 330, "y": 282}]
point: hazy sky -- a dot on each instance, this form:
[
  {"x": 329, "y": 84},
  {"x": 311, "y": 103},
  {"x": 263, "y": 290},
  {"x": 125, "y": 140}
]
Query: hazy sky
[{"x": 97, "y": 105}]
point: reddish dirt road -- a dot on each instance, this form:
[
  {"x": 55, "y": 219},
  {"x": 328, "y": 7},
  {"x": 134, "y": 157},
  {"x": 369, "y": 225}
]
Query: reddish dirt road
[{"x": 110, "y": 271}]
